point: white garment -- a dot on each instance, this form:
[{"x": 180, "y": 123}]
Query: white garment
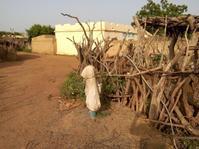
[{"x": 91, "y": 89}]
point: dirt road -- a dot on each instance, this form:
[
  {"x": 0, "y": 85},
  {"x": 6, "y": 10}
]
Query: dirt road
[
  {"x": 26, "y": 86},
  {"x": 30, "y": 117}
]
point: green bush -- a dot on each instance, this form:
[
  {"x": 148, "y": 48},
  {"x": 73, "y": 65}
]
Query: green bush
[
  {"x": 108, "y": 86},
  {"x": 111, "y": 84},
  {"x": 37, "y": 29},
  {"x": 73, "y": 87},
  {"x": 190, "y": 144}
]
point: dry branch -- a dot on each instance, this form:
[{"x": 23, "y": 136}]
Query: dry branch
[
  {"x": 77, "y": 19},
  {"x": 157, "y": 89}
]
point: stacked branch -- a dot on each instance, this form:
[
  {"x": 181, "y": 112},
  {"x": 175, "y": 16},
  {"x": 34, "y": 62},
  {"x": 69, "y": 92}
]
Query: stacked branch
[{"x": 165, "y": 90}]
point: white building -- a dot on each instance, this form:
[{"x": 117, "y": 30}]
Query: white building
[{"x": 102, "y": 30}]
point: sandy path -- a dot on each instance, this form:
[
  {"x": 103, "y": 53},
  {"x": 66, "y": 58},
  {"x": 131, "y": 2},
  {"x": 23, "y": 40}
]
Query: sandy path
[{"x": 25, "y": 87}]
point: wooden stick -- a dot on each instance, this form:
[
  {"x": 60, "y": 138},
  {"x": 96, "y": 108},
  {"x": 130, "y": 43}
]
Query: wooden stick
[
  {"x": 127, "y": 86},
  {"x": 139, "y": 72},
  {"x": 172, "y": 130},
  {"x": 185, "y": 122},
  {"x": 101, "y": 64},
  {"x": 136, "y": 74},
  {"x": 186, "y": 58},
  {"x": 164, "y": 123},
  {"x": 153, "y": 71},
  {"x": 159, "y": 89},
  {"x": 119, "y": 96},
  {"x": 77, "y": 19},
  {"x": 162, "y": 50},
  {"x": 175, "y": 92}
]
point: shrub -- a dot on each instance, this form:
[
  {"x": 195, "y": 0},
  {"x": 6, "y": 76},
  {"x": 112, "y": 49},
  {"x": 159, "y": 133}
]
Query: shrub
[
  {"x": 37, "y": 29},
  {"x": 111, "y": 84},
  {"x": 189, "y": 144},
  {"x": 73, "y": 87}
]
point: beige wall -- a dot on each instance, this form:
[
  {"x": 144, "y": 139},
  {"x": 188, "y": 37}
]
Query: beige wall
[{"x": 45, "y": 44}]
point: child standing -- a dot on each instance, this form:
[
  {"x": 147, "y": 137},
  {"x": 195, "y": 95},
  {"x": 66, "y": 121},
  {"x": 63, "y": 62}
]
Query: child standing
[{"x": 91, "y": 90}]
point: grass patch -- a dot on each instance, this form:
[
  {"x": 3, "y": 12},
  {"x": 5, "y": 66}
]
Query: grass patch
[{"x": 73, "y": 87}]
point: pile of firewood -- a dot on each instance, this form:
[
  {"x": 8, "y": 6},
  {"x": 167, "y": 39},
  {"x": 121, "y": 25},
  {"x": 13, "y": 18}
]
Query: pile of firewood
[{"x": 165, "y": 89}]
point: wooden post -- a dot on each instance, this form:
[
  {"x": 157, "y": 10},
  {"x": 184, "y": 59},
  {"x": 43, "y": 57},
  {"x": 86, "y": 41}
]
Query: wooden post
[{"x": 174, "y": 39}]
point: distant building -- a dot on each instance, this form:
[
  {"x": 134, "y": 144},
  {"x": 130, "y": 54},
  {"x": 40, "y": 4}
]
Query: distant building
[
  {"x": 45, "y": 44},
  {"x": 102, "y": 30}
]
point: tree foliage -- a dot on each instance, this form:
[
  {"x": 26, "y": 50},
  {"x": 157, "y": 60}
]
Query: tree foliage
[
  {"x": 164, "y": 8},
  {"x": 38, "y": 29}
]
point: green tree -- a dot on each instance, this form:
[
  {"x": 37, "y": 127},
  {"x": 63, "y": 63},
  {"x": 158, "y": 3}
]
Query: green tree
[
  {"x": 38, "y": 29},
  {"x": 164, "y": 8}
]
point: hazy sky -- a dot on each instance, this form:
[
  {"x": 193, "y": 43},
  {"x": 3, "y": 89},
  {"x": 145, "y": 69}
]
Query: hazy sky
[{"x": 21, "y": 14}]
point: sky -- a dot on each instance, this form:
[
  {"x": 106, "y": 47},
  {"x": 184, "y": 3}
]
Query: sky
[{"x": 21, "y": 14}]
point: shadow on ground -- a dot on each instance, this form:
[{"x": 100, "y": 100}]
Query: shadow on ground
[
  {"x": 150, "y": 138},
  {"x": 21, "y": 57}
]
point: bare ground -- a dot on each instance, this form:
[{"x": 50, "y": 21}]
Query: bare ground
[{"x": 30, "y": 116}]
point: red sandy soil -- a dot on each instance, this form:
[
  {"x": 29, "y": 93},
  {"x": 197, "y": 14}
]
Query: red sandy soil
[{"x": 30, "y": 116}]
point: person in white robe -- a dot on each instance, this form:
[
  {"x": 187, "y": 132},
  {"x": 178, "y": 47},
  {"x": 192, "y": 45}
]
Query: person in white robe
[{"x": 91, "y": 90}]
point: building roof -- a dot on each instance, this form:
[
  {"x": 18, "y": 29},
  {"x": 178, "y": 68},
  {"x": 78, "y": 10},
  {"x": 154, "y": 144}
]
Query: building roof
[
  {"x": 43, "y": 37},
  {"x": 98, "y": 26}
]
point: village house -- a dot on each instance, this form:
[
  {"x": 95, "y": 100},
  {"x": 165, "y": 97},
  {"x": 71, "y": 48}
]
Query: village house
[
  {"x": 45, "y": 44},
  {"x": 101, "y": 31}
]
